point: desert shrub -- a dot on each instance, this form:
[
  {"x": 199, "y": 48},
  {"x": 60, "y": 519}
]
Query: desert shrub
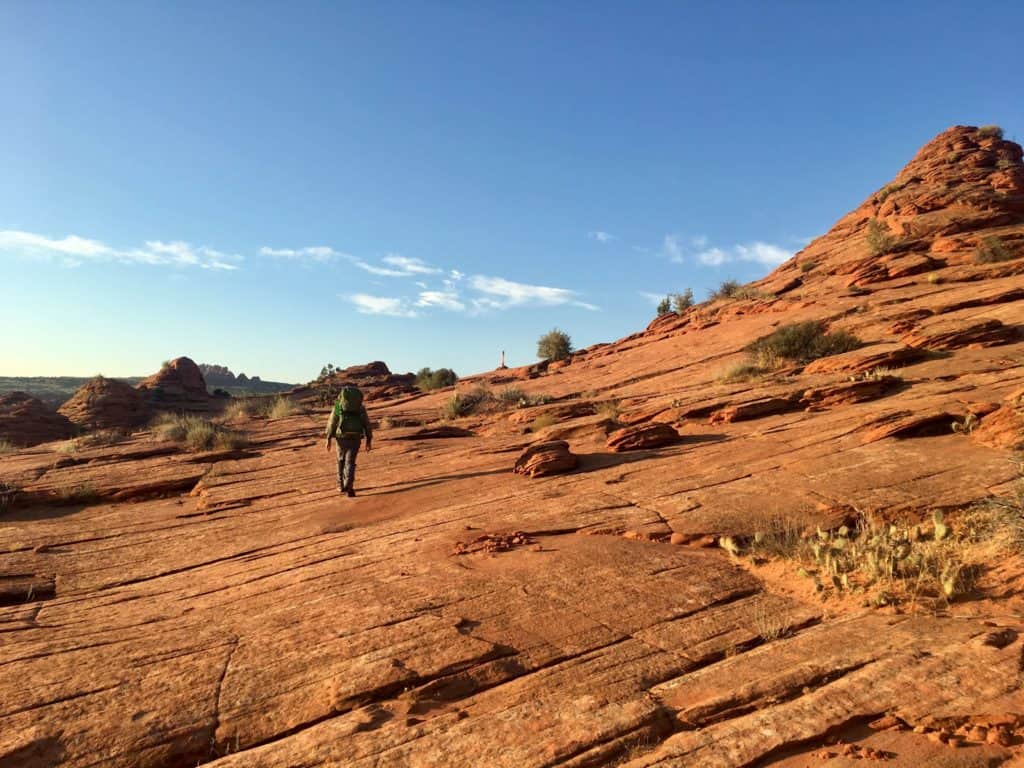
[
  {"x": 878, "y": 238},
  {"x": 8, "y": 492},
  {"x": 807, "y": 266},
  {"x": 542, "y": 421},
  {"x": 6, "y": 446},
  {"x": 991, "y": 251},
  {"x": 465, "y": 403},
  {"x": 83, "y": 493},
  {"x": 609, "y": 410},
  {"x": 740, "y": 372},
  {"x": 511, "y": 397},
  {"x": 746, "y": 292},
  {"x": 554, "y": 345},
  {"x": 934, "y": 278},
  {"x": 664, "y": 306},
  {"x": 877, "y": 374},
  {"x": 281, "y": 407},
  {"x": 887, "y": 190},
  {"x": 427, "y": 379},
  {"x": 98, "y": 439},
  {"x": 800, "y": 343},
  {"x": 196, "y": 433},
  {"x": 725, "y": 290},
  {"x": 682, "y": 301},
  {"x": 238, "y": 408},
  {"x": 990, "y": 132}
]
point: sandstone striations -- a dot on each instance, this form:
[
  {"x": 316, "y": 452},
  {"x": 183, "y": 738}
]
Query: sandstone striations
[
  {"x": 652, "y": 608},
  {"x": 178, "y": 386},
  {"x": 26, "y": 420},
  {"x": 104, "y": 403}
]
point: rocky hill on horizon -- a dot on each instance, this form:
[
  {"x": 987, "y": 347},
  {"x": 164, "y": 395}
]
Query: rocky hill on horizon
[{"x": 780, "y": 528}]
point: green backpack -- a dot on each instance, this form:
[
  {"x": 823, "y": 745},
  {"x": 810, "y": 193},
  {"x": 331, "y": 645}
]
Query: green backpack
[{"x": 349, "y": 410}]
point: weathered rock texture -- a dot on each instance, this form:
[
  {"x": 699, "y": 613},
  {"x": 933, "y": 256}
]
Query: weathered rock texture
[
  {"x": 375, "y": 380},
  {"x": 455, "y": 615},
  {"x": 548, "y": 458},
  {"x": 26, "y": 420},
  {"x": 177, "y": 386},
  {"x": 106, "y": 404},
  {"x": 643, "y": 436}
]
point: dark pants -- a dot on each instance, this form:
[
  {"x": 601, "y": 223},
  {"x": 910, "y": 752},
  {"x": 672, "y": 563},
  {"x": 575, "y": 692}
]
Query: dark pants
[{"x": 348, "y": 447}]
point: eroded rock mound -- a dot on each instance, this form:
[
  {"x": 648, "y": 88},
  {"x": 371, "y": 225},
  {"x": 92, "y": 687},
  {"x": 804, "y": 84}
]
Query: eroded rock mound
[
  {"x": 26, "y": 420},
  {"x": 179, "y": 385},
  {"x": 1004, "y": 427},
  {"x": 106, "y": 404},
  {"x": 548, "y": 458},
  {"x": 643, "y": 436},
  {"x": 375, "y": 380}
]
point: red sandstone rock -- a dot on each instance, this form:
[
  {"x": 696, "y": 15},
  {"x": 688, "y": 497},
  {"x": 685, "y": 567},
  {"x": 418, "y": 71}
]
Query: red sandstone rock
[
  {"x": 435, "y": 433},
  {"x": 849, "y": 392},
  {"x": 26, "y": 420},
  {"x": 944, "y": 334},
  {"x": 1004, "y": 427},
  {"x": 547, "y": 458},
  {"x": 177, "y": 386},
  {"x": 107, "y": 404},
  {"x": 753, "y": 409},
  {"x": 636, "y": 438}
]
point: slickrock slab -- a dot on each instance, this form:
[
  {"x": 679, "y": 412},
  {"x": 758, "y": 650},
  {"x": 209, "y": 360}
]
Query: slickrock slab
[
  {"x": 26, "y": 420},
  {"x": 945, "y": 334},
  {"x": 548, "y": 458},
  {"x": 905, "y": 423},
  {"x": 867, "y": 359},
  {"x": 636, "y": 438},
  {"x": 753, "y": 409},
  {"x": 435, "y": 433},
  {"x": 849, "y": 392}
]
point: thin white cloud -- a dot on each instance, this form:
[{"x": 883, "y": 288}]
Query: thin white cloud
[
  {"x": 318, "y": 253},
  {"x": 380, "y": 271},
  {"x": 653, "y": 298},
  {"x": 447, "y": 299},
  {"x": 410, "y": 266},
  {"x": 673, "y": 248},
  {"x": 500, "y": 293},
  {"x": 601, "y": 237},
  {"x": 756, "y": 252},
  {"x": 73, "y": 251},
  {"x": 700, "y": 241},
  {"x": 456, "y": 275},
  {"x": 380, "y": 305}
]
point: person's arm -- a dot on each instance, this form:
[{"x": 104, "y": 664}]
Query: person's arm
[
  {"x": 332, "y": 424},
  {"x": 367, "y": 429}
]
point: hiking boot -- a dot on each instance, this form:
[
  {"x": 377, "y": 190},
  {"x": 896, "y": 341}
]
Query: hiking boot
[{"x": 351, "y": 493}]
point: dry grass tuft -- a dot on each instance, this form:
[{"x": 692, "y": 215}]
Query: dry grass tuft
[{"x": 197, "y": 433}]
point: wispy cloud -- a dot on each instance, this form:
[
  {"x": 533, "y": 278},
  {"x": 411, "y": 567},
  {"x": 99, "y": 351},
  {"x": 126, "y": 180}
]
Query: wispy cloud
[
  {"x": 698, "y": 249},
  {"x": 398, "y": 266},
  {"x": 381, "y": 305},
  {"x": 601, "y": 237},
  {"x": 73, "y": 251},
  {"x": 447, "y": 299},
  {"x": 653, "y": 298},
  {"x": 500, "y": 293},
  {"x": 318, "y": 253}
]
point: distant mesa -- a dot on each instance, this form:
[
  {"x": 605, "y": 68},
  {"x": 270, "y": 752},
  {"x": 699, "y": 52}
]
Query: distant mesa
[
  {"x": 221, "y": 377},
  {"x": 103, "y": 403},
  {"x": 26, "y": 420}
]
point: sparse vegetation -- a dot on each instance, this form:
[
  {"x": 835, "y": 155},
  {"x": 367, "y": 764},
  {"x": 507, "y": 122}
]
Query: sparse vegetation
[
  {"x": 83, "y": 493},
  {"x": 465, "y": 403},
  {"x": 281, "y": 407},
  {"x": 887, "y": 190},
  {"x": 428, "y": 380},
  {"x": 990, "y": 132},
  {"x": 8, "y": 492},
  {"x": 609, "y": 409},
  {"x": 877, "y": 374},
  {"x": 196, "y": 433},
  {"x": 800, "y": 343},
  {"x": 966, "y": 425},
  {"x": 740, "y": 372},
  {"x": 6, "y": 446},
  {"x": 554, "y": 345},
  {"x": 878, "y": 238},
  {"x": 992, "y": 251},
  {"x": 511, "y": 397},
  {"x": 807, "y": 266},
  {"x": 726, "y": 290},
  {"x": 934, "y": 278},
  {"x": 682, "y": 301},
  {"x": 664, "y": 306},
  {"x": 542, "y": 421},
  {"x": 259, "y": 408}
]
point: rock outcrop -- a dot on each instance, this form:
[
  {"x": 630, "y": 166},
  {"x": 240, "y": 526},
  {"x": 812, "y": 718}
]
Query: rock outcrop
[
  {"x": 104, "y": 403},
  {"x": 548, "y": 458},
  {"x": 27, "y": 420},
  {"x": 375, "y": 379},
  {"x": 643, "y": 436},
  {"x": 178, "y": 386}
]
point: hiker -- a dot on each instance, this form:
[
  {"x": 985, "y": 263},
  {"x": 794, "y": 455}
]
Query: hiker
[{"x": 349, "y": 422}]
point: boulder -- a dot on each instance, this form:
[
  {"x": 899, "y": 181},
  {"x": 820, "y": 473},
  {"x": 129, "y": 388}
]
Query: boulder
[
  {"x": 27, "y": 420},
  {"x": 104, "y": 403},
  {"x": 1004, "y": 427},
  {"x": 549, "y": 458},
  {"x": 179, "y": 385},
  {"x": 753, "y": 409},
  {"x": 653, "y": 435}
]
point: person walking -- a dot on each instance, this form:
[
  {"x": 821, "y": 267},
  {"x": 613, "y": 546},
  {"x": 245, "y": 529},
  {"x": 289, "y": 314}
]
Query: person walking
[{"x": 348, "y": 424}]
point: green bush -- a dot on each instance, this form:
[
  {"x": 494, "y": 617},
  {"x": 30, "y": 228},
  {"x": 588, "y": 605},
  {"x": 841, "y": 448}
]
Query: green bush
[
  {"x": 990, "y": 132},
  {"x": 682, "y": 301},
  {"x": 665, "y": 306},
  {"x": 878, "y": 238},
  {"x": 554, "y": 345},
  {"x": 511, "y": 397},
  {"x": 727, "y": 289},
  {"x": 428, "y": 380},
  {"x": 463, "y": 404},
  {"x": 800, "y": 343},
  {"x": 991, "y": 251}
]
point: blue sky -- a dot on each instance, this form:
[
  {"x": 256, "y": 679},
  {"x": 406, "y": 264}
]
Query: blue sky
[{"x": 275, "y": 186}]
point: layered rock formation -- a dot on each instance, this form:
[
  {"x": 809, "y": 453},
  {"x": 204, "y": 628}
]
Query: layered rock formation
[
  {"x": 375, "y": 379},
  {"x": 178, "y": 386},
  {"x": 454, "y": 614},
  {"x": 26, "y": 420},
  {"x": 104, "y": 403}
]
